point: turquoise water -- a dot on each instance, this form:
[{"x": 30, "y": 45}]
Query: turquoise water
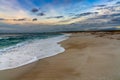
[{"x": 7, "y": 40}]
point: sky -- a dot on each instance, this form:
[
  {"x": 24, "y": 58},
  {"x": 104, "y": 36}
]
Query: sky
[{"x": 58, "y": 15}]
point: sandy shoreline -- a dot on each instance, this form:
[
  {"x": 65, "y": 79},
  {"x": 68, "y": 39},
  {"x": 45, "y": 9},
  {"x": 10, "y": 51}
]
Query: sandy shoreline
[{"x": 87, "y": 57}]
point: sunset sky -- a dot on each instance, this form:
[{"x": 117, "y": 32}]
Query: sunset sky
[{"x": 59, "y": 15}]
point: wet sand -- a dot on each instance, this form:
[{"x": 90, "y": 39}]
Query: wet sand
[{"x": 88, "y": 56}]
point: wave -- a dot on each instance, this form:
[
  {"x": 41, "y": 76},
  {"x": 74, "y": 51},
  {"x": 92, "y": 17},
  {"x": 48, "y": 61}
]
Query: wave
[
  {"x": 30, "y": 51},
  {"x": 7, "y": 49}
]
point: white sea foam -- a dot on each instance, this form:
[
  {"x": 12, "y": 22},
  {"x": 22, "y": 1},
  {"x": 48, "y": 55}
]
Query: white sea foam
[{"x": 21, "y": 55}]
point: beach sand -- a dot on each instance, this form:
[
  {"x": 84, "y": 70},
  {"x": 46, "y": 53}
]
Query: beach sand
[{"x": 88, "y": 56}]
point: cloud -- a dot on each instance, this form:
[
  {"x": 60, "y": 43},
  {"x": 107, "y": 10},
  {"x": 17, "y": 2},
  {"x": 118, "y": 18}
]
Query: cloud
[
  {"x": 1, "y": 19},
  {"x": 100, "y": 6},
  {"x": 100, "y": 22},
  {"x": 116, "y": 19},
  {"x": 57, "y": 17},
  {"x": 41, "y": 14},
  {"x": 98, "y": 14},
  {"x": 14, "y": 19},
  {"x": 108, "y": 9},
  {"x": 117, "y": 2},
  {"x": 35, "y": 19},
  {"x": 86, "y": 14},
  {"x": 34, "y": 10},
  {"x": 38, "y": 12},
  {"x": 115, "y": 14},
  {"x": 107, "y": 16},
  {"x": 23, "y": 19}
]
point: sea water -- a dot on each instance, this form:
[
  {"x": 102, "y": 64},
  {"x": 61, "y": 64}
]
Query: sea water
[{"x": 20, "y": 49}]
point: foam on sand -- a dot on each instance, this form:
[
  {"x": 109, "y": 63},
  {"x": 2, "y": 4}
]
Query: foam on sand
[{"x": 31, "y": 51}]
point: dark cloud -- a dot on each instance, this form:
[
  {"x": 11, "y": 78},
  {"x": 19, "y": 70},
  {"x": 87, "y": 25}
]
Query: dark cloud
[
  {"x": 110, "y": 8},
  {"x": 102, "y": 17},
  {"x": 103, "y": 20},
  {"x": 1, "y": 19},
  {"x": 115, "y": 14},
  {"x": 58, "y": 17},
  {"x": 34, "y": 10},
  {"x": 85, "y": 14},
  {"x": 80, "y": 15},
  {"x": 118, "y": 2},
  {"x": 35, "y": 19},
  {"x": 38, "y": 11},
  {"x": 41, "y": 14},
  {"x": 100, "y": 5},
  {"x": 116, "y": 19},
  {"x": 110, "y": 16},
  {"x": 23, "y": 19}
]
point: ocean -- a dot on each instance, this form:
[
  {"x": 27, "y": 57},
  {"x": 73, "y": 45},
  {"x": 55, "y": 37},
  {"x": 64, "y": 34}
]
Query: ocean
[{"x": 20, "y": 49}]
